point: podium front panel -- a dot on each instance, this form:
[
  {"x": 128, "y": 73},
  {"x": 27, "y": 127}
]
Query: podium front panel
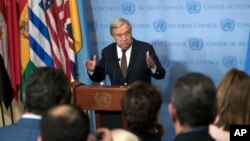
[{"x": 101, "y": 98}]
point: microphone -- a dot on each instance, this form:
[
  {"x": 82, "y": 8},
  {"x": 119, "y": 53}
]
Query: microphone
[
  {"x": 114, "y": 72},
  {"x": 105, "y": 71}
]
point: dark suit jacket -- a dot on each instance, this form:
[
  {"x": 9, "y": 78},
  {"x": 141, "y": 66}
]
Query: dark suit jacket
[
  {"x": 137, "y": 69},
  {"x": 24, "y": 130},
  {"x": 202, "y": 135}
]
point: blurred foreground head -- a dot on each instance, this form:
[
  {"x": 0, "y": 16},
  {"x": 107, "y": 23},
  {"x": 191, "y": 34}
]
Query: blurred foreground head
[
  {"x": 193, "y": 100},
  {"x": 140, "y": 105},
  {"x": 65, "y": 123},
  {"x": 46, "y": 87}
]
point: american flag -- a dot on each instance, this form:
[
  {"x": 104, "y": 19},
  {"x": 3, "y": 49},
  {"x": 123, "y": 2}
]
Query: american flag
[{"x": 59, "y": 25}]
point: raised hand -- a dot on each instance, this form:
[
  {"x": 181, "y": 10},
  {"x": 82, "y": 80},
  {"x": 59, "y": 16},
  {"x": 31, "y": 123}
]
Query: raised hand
[
  {"x": 150, "y": 61},
  {"x": 90, "y": 64}
]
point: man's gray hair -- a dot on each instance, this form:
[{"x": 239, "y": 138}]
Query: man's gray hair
[{"x": 118, "y": 22}]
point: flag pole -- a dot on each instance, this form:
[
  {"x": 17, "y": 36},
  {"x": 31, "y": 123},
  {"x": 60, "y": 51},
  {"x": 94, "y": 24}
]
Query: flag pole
[
  {"x": 1, "y": 105},
  {"x": 11, "y": 114}
]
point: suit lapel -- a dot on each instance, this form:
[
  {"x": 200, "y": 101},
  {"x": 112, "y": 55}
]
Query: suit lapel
[
  {"x": 114, "y": 51},
  {"x": 133, "y": 57},
  {"x": 116, "y": 63}
]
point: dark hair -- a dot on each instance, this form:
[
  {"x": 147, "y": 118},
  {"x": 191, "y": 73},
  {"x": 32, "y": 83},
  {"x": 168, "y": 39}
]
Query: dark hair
[
  {"x": 65, "y": 123},
  {"x": 46, "y": 87},
  {"x": 194, "y": 96},
  {"x": 140, "y": 105}
]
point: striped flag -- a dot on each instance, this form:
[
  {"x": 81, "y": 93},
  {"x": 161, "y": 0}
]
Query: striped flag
[
  {"x": 39, "y": 52},
  {"x": 39, "y": 42},
  {"x": 40, "y": 49},
  {"x": 60, "y": 31},
  {"x": 46, "y": 36},
  {"x": 247, "y": 67}
]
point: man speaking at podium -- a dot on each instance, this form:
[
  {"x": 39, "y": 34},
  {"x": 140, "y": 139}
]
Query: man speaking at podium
[{"x": 126, "y": 60}]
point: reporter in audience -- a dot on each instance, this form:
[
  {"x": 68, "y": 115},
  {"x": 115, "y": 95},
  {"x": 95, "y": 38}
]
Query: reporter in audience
[
  {"x": 140, "y": 106},
  {"x": 68, "y": 122},
  {"x": 45, "y": 88},
  {"x": 233, "y": 104},
  {"x": 192, "y": 108},
  {"x": 65, "y": 123}
]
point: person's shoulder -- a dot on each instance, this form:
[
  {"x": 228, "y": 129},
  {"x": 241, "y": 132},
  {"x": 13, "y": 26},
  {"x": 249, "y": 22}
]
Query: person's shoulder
[
  {"x": 141, "y": 43},
  {"x": 21, "y": 130},
  {"x": 7, "y": 131},
  {"x": 109, "y": 47},
  {"x": 10, "y": 126}
]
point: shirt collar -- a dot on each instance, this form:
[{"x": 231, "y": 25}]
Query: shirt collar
[{"x": 32, "y": 116}]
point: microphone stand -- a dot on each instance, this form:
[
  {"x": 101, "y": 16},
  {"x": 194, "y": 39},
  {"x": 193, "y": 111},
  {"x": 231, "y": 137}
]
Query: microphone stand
[
  {"x": 114, "y": 72},
  {"x": 105, "y": 71}
]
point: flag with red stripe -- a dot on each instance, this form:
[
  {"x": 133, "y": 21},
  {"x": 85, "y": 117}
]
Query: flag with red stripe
[
  {"x": 12, "y": 48},
  {"x": 6, "y": 92},
  {"x": 59, "y": 26}
]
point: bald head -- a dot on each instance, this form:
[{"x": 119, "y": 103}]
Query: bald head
[{"x": 65, "y": 123}]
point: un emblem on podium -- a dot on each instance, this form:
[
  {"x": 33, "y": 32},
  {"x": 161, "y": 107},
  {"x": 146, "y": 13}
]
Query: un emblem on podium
[{"x": 103, "y": 99}]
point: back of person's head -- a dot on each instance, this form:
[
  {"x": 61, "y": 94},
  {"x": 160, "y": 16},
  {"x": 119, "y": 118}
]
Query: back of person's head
[
  {"x": 235, "y": 105},
  {"x": 230, "y": 77},
  {"x": 123, "y": 135},
  {"x": 46, "y": 87},
  {"x": 194, "y": 98},
  {"x": 140, "y": 106},
  {"x": 65, "y": 123}
]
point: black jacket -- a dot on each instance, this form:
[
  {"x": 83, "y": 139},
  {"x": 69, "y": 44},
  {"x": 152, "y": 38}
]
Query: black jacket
[{"x": 137, "y": 69}]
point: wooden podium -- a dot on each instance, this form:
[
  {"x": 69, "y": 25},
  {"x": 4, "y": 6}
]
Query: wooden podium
[{"x": 100, "y": 99}]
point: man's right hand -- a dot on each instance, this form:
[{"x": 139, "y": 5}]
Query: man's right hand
[{"x": 90, "y": 65}]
